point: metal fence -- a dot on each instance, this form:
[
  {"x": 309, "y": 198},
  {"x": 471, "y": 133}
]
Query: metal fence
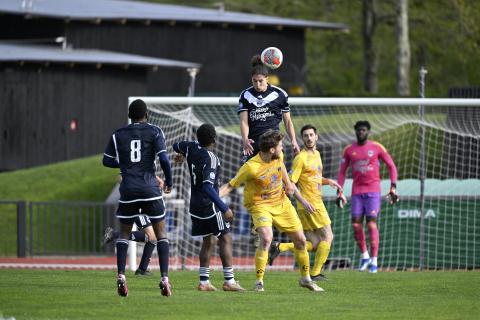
[{"x": 55, "y": 227}]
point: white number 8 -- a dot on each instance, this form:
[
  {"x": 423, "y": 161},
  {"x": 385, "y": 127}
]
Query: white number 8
[{"x": 135, "y": 154}]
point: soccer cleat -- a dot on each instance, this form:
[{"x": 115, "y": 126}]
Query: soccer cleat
[
  {"x": 373, "y": 268},
  {"x": 310, "y": 285},
  {"x": 165, "y": 288},
  {"x": 364, "y": 263},
  {"x": 232, "y": 287},
  {"x": 107, "y": 236},
  {"x": 122, "y": 285},
  {"x": 206, "y": 287},
  {"x": 273, "y": 252},
  {"x": 319, "y": 277},
  {"x": 141, "y": 272},
  {"x": 259, "y": 286}
]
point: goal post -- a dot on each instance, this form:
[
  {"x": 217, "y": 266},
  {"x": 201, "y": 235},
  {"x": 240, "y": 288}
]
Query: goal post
[{"x": 450, "y": 200}]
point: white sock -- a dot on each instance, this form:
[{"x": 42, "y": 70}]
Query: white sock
[
  {"x": 365, "y": 255},
  {"x": 204, "y": 282},
  {"x": 374, "y": 260},
  {"x": 230, "y": 281}
]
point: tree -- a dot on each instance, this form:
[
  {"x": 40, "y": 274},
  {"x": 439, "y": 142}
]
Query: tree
[
  {"x": 369, "y": 55},
  {"x": 403, "y": 48}
]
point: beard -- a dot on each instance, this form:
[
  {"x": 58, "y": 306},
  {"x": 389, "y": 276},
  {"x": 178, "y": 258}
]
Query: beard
[{"x": 275, "y": 156}]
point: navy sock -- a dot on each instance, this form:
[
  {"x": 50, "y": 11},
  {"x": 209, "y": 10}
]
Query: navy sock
[
  {"x": 122, "y": 248},
  {"x": 147, "y": 253},
  {"x": 162, "y": 249},
  {"x": 138, "y": 236}
]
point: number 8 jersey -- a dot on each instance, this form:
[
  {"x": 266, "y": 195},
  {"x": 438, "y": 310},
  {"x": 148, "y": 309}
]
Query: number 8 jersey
[{"x": 134, "y": 148}]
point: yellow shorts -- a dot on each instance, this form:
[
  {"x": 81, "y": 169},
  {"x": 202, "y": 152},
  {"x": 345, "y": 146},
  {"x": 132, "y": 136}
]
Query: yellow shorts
[
  {"x": 283, "y": 217},
  {"x": 316, "y": 220}
]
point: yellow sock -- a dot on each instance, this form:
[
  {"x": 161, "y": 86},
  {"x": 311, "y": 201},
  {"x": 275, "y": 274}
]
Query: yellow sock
[
  {"x": 309, "y": 246},
  {"x": 321, "y": 256},
  {"x": 303, "y": 261},
  {"x": 261, "y": 257},
  {"x": 285, "y": 246}
]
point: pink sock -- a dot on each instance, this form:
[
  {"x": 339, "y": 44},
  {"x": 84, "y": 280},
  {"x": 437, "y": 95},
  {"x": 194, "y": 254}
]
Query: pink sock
[
  {"x": 359, "y": 236},
  {"x": 374, "y": 238}
]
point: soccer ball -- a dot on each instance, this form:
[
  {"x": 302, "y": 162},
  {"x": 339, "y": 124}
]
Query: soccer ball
[{"x": 272, "y": 57}]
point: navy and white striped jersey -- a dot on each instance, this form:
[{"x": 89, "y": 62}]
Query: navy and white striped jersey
[
  {"x": 265, "y": 109},
  {"x": 204, "y": 167},
  {"x": 135, "y": 148}
]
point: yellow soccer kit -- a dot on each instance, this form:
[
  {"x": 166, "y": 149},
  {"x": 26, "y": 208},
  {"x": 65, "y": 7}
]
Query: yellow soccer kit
[
  {"x": 264, "y": 196},
  {"x": 307, "y": 174}
]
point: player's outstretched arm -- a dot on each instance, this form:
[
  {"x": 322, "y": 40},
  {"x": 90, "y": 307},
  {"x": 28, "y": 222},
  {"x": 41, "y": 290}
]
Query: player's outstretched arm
[
  {"x": 244, "y": 130},
  {"x": 179, "y": 156},
  {"x": 332, "y": 183},
  {"x": 225, "y": 190},
  {"x": 287, "y": 120}
]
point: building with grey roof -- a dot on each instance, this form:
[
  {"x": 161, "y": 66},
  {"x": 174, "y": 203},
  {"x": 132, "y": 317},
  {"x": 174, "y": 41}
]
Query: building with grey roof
[{"x": 112, "y": 49}]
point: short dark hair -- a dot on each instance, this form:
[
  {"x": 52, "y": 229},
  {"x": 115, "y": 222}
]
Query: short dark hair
[
  {"x": 206, "y": 134},
  {"x": 269, "y": 139},
  {"x": 137, "y": 109},
  {"x": 362, "y": 123},
  {"x": 258, "y": 67},
  {"x": 306, "y": 127}
]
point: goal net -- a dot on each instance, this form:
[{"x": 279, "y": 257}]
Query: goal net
[{"x": 435, "y": 144}]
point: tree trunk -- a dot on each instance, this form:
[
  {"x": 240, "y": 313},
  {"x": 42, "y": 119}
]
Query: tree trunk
[
  {"x": 403, "y": 49},
  {"x": 369, "y": 55}
]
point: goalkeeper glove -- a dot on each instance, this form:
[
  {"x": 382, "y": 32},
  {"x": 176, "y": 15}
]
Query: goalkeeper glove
[
  {"x": 341, "y": 200},
  {"x": 392, "y": 195}
]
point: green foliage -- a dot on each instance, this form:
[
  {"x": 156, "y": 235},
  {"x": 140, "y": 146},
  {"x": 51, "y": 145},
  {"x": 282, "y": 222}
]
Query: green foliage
[
  {"x": 58, "y": 294},
  {"x": 81, "y": 179},
  {"x": 444, "y": 37}
]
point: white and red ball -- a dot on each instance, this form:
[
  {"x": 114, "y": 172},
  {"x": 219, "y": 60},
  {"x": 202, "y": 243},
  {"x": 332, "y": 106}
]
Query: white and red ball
[{"x": 272, "y": 57}]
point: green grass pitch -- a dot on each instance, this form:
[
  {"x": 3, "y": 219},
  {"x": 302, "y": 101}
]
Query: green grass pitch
[{"x": 59, "y": 294}]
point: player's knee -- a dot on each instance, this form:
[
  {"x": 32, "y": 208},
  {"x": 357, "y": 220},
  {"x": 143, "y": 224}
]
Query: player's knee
[
  {"x": 300, "y": 242},
  {"x": 372, "y": 225},
  {"x": 265, "y": 241},
  {"x": 357, "y": 226}
]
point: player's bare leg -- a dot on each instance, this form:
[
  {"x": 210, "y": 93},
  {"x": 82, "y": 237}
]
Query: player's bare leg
[
  {"x": 204, "y": 269},
  {"x": 225, "y": 251}
]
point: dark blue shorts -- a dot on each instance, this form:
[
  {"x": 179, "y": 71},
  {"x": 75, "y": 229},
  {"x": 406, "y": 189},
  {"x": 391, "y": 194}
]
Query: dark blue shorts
[
  {"x": 154, "y": 209},
  {"x": 213, "y": 224},
  {"x": 142, "y": 221}
]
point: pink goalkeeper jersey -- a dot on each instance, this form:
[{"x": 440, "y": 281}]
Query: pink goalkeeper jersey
[{"x": 365, "y": 163}]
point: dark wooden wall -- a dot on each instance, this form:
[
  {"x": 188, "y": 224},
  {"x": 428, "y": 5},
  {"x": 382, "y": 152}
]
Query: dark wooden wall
[
  {"x": 224, "y": 52},
  {"x": 38, "y": 103}
]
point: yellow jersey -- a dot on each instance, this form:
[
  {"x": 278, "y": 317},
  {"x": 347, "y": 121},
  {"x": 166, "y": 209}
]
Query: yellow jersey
[
  {"x": 262, "y": 180},
  {"x": 307, "y": 172}
]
